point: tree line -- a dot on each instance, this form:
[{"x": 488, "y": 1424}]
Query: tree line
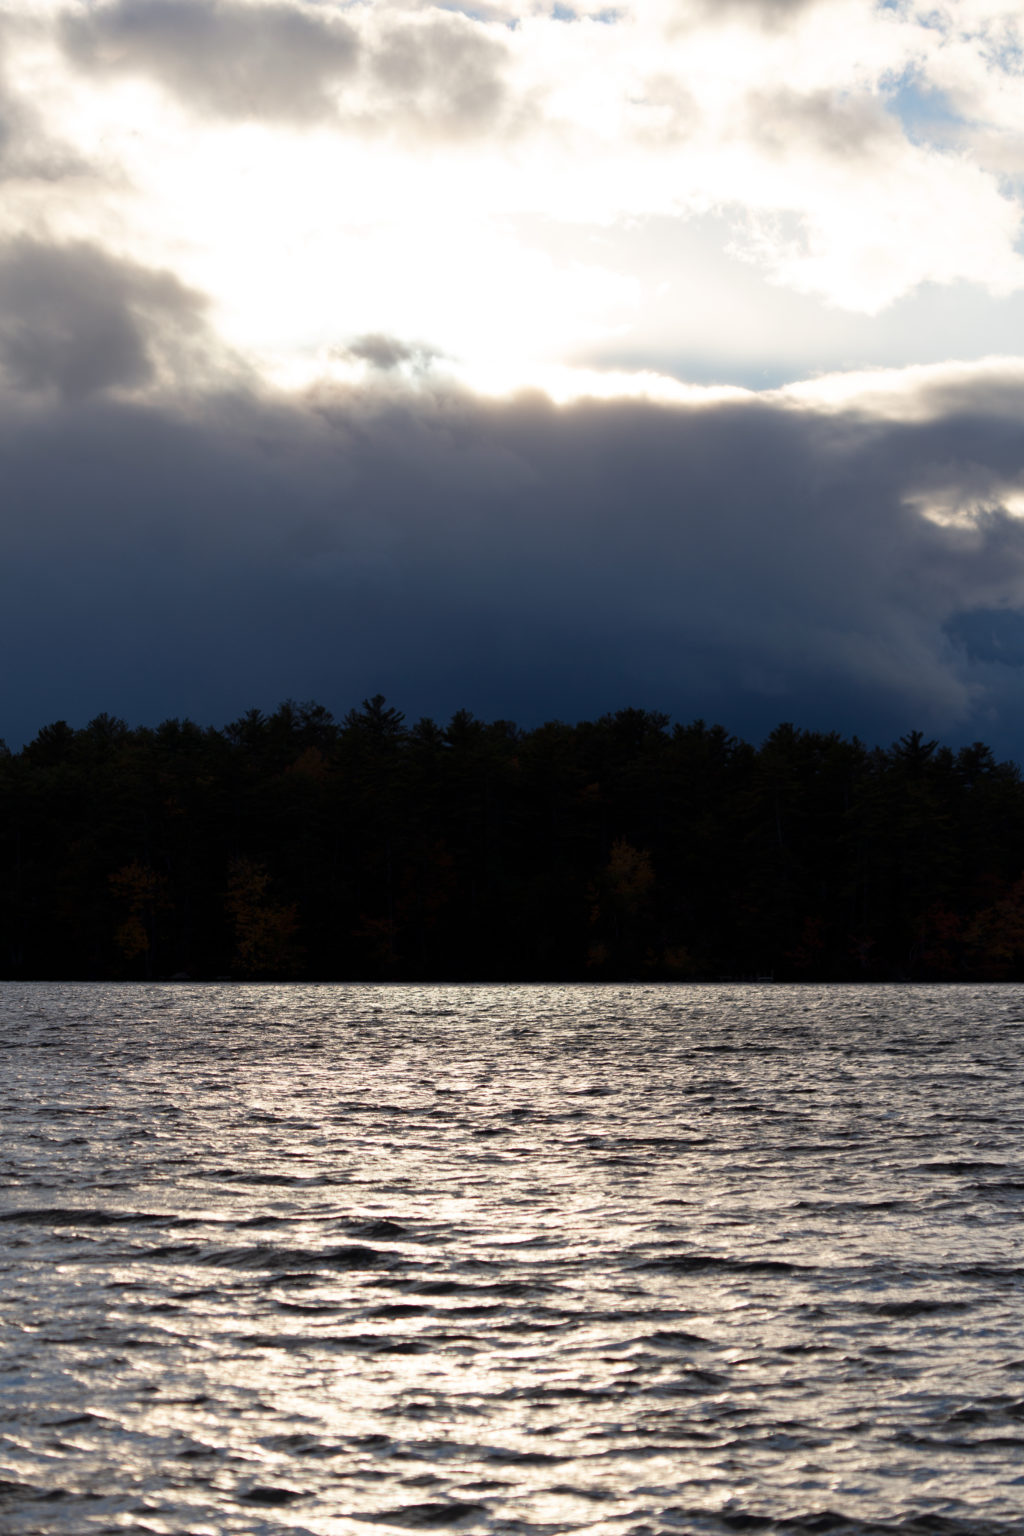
[{"x": 295, "y": 845}]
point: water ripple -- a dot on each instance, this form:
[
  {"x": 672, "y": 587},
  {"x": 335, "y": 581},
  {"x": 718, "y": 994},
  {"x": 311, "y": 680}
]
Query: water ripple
[{"x": 630, "y": 1261}]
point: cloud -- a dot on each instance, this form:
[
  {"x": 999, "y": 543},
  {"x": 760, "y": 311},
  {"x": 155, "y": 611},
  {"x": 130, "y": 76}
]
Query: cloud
[
  {"x": 444, "y": 72},
  {"x": 296, "y": 65},
  {"x": 272, "y": 62},
  {"x": 387, "y": 352},
  {"x": 76, "y": 320},
  {"x": 837, "y": 126},
  {"x": 318, "y": 181},
  {"x": 28, "y": 151},
  {"x": 795, "y": 123},
  {"x": 746, "y": 559},
  {"x": 765, "y": 13}
]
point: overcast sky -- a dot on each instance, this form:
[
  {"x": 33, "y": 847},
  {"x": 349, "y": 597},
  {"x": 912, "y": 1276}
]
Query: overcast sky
[{"x": 533, "y": 359}]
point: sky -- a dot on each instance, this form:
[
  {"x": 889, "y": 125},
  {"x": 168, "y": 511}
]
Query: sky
[{"x": 538, "y": 360}]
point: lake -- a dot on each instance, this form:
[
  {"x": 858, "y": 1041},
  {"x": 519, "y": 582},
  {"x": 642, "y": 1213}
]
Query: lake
[{"x": 625, "y": 1260}]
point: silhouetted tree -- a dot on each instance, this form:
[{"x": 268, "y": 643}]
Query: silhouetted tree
[{"x": 289, "y": 843}]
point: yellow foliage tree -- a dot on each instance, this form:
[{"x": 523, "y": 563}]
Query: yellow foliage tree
[{"x": 617, "y": 902}]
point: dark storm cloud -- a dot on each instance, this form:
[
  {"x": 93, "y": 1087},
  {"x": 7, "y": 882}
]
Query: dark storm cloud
[
  {"x": 272, "y": 62},
  {"x": 285, "y": 64},
  {"x": 76, "y": 320},
  {"x": 744, "y": 561}
]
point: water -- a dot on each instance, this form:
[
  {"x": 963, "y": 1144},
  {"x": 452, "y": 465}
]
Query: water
[{"x": 509, "y": 1259}]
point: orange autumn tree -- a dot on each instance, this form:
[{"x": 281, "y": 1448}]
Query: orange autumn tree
[
  {"x": 264, "y": 930},
  {"x": 140, "y": 892},
  {"x": 996, "y": 934}
]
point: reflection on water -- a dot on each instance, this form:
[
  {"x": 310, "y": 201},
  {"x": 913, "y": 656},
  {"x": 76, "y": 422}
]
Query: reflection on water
[{"x": 515, "y": 1259}]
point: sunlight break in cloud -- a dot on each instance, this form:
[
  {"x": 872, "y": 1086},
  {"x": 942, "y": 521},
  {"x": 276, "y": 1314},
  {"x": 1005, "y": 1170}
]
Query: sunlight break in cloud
[{"x": 323, "y": 170}]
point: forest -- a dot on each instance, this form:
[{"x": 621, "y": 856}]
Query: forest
[{"x": 293, "y": 845}]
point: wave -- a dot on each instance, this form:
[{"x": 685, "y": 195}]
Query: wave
[
  {"x": 699, "y": 1263},
  {"x": 422, "y": 1516},
  {"x": 272, "y": 1256},
  {"x": 84, "y": 1216}
]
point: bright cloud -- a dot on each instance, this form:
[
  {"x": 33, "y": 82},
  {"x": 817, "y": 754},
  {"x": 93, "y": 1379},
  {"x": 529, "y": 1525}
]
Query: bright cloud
[{"x": 321, "y": 170}]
